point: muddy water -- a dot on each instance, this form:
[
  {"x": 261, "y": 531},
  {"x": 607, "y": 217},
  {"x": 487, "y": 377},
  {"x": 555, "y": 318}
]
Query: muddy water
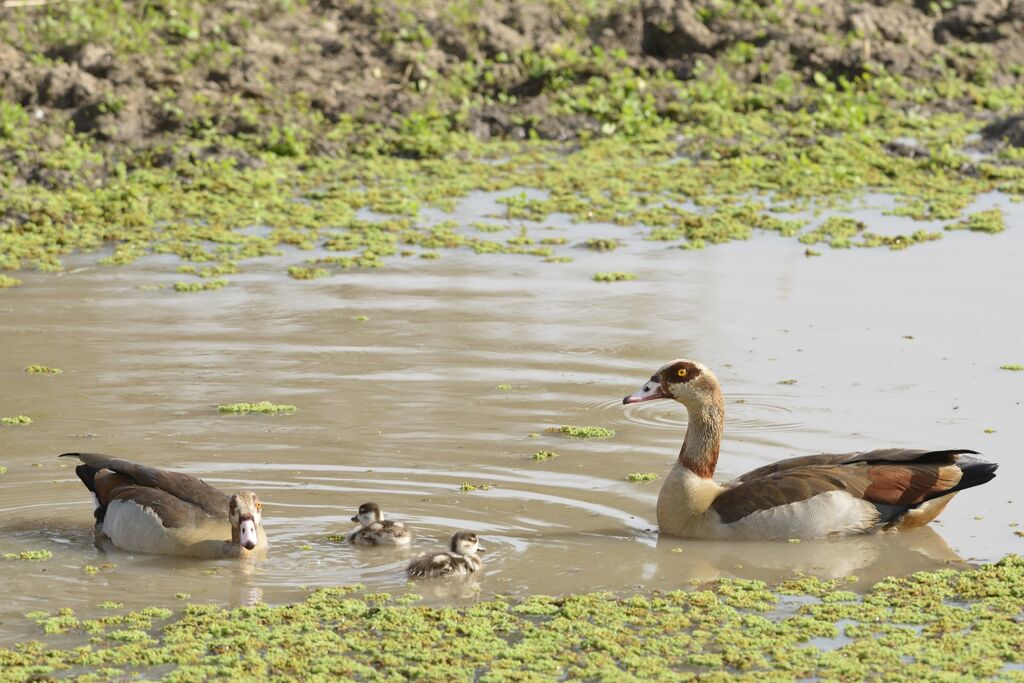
[{"x": 887, "y": 349}]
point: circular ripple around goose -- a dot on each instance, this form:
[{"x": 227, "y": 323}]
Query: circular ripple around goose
[{"x": 744, "y": 413}]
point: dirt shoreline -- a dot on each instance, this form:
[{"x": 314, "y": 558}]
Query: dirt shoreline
[{"x": 149, "y": 84}]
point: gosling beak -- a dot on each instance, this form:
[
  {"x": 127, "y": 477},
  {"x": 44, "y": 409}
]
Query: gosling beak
[
  {"x": 247, "y": 537},
  {"x": 355, "y": 518},
  {"x": 481, "y": 549},
  {"x": 648, "y": 392}
]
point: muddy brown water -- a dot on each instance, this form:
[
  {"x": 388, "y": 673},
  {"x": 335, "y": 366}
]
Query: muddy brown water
[{"x": 887, "y": 349}]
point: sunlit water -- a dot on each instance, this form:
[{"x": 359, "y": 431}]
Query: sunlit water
[{"x": 887, "y": 349}]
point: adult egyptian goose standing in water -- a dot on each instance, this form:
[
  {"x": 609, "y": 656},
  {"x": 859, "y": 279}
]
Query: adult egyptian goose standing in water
[
  {"x": 811, "y": 496},
  {"x": 149, "y": 510}
]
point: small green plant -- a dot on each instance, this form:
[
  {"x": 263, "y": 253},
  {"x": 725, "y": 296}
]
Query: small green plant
[
  {"x": 614, "y": 276},
  {"x": 581, "y": 432},
  {"x": 30, "y": 555},
  {"x": 1013, "y": 367},
  {"x": 640, "y": 477},
  {"x": 42, "y": 370},
  {"x": 544, "y": 455},
  {"x": 16, "y": 420},
  {"x": 265, "y": 407}
]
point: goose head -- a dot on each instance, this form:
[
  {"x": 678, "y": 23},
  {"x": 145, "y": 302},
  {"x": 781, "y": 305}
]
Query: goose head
[
  {"x": 368, "y": 514},
  {"x": 246, "y": 514},
  {"x": 465, "y": 543},
  {"x": 687, "y": 381}
]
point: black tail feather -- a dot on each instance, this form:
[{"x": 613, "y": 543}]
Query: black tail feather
[
  {"x": 976, "y": 472},
  {"x": 88, "y": 476}
]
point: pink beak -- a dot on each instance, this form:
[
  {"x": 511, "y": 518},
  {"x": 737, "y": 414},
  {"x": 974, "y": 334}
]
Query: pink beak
[{"x": 648, "y": 392}]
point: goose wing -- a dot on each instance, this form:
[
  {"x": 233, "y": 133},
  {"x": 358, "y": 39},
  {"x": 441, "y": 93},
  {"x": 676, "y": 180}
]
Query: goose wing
[
  {"x": 893, "y": 480},
  {"x": 127, "y": 480}
]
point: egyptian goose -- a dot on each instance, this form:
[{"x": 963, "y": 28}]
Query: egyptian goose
[
  {"x": 149, "y": 510},
  {"x": 810, "y": 496},
  {"x": 375, "y": 530},
  {"x": 460, "y": 559}
]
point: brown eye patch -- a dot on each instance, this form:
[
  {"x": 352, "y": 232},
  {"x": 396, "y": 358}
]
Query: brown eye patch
[{"x": 683, "y": 371}]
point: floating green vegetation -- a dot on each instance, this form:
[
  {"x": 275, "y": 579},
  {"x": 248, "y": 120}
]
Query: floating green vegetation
[
  {"x": 466, "y": 487},
  {"x": 303, "y": 273},
  {"x": 928, "y": 626},
  {"x": 641, "y": 477},
  {"x": 578, "y": 432},
  {"x": 614, "y": 276},
  {"x": 360, "y": 318},
  {"x": 504, "y": 387},
  {"x": 990, "y": 221},
  {"x": 602, "y": 244},
  {"x": 42, "y": 370},
  {"x": 1013, "y": 367},
  {"x": 202, "y": 286},
  {"x": 544, "y": 455},
  {"x": 30, "y": 555},
  {"x": 265, "y": 407},
  {"x": 3, "y": 470},
  {"x": 16, "y": 420},
  {"x": 8, "y": 281},
  {"x": 787, "y": 381}
]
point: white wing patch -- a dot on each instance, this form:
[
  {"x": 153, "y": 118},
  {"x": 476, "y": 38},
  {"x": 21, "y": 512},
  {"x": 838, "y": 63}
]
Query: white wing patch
[{"x": 827, "y": 514}]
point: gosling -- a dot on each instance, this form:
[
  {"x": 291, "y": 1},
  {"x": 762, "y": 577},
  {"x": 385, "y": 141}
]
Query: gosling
[
  {"x": 460, "y": 559},
  {"x": 375, "y": 530}
]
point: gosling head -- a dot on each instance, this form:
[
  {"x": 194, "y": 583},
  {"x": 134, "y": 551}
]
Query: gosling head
[
  {"x": 368, "y": 514},
  {"x": 465, "y": 543},
  {"x": 246, "y": 514},
  {"x": 686, "y": 381}
]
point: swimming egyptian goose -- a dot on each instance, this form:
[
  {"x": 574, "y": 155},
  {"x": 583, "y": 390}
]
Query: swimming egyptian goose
[
  {"x": 149, "y": 510},
  {"x": 810, "y": 496},
  {"x": 460, "y": 559},
  {"x": 375, "y": 530}
]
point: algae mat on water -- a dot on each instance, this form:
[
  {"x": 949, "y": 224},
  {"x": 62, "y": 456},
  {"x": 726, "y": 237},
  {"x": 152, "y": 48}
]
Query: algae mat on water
[{"x": 945, "y": 625}]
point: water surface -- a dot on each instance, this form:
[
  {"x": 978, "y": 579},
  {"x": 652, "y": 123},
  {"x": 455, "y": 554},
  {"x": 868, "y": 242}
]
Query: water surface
[{"x": 888, "y": 349}]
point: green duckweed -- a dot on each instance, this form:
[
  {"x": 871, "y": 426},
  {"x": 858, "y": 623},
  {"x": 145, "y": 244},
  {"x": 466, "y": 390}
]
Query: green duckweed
[
  {"x": 16, "y": 420},
  {"x": 583, "y": 432},
  {"x": 615, "y": 276},
  {"x": 1013, "y": 367},
  {"x": 265, "y": 407},
  {"x": 202, "y": 286},
  {"x": 544, "y": 455},
  {"x": 30, "y": 555},
  {"x": 947, "y": 624},
  {"x": 641, "y": 477},
  {"x": 42, "y": 370}
]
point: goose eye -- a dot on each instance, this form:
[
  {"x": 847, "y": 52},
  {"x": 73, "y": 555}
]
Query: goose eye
[{"x": 681, "y": 372}]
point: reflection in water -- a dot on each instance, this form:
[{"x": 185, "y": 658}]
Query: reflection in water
[
  {"x": 869, "y": 558},
  {"x": 461, "y": 365}
]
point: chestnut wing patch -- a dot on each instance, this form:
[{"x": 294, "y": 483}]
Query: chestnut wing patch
[{"x": 910, "y": 484}]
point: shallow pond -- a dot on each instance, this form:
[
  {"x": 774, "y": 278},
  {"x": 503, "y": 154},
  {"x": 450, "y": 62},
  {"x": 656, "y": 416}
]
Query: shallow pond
[{"x": 415, "y": 379}]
